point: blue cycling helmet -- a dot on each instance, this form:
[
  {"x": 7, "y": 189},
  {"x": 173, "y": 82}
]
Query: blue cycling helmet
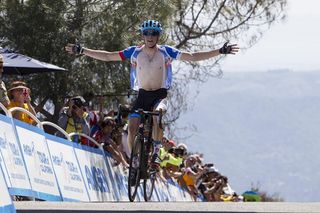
[{"x": 151, "y": 25}]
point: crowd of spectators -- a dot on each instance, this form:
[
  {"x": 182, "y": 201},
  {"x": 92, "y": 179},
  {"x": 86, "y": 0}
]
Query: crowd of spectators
[
  {"x": 177, "y": 163},
  {"x": 191, "y": 173}
]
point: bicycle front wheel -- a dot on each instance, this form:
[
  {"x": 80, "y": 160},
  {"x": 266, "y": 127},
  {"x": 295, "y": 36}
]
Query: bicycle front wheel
[
  {"x": 149, "y": 180},
  {"x": 134, "y": 169}
]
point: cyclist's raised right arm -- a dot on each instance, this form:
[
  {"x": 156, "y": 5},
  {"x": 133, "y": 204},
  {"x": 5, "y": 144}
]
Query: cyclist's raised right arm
[{"x": 102, "y": 54}]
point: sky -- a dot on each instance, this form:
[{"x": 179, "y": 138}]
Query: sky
[{"x": 291, "y": 44}]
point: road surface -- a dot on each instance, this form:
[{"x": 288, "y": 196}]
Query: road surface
[{"x": 169, "y": 207}]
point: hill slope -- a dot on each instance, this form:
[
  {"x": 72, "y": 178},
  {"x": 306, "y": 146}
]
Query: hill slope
[{"x": 261, "y": 127}]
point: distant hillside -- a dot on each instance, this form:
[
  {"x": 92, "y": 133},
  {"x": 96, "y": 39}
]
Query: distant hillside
[{"x": 261, "y": 127}]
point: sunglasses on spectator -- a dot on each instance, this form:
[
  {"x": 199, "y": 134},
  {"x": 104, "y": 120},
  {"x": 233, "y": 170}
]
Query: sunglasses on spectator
[{"x": 151, "y": 33}]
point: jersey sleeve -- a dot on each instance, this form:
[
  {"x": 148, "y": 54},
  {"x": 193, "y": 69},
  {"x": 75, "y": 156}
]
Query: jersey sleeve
[
  {"x": 127, "y": 53},
  {"x": 173, "y": 52}
]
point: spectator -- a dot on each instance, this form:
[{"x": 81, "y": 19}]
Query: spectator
[
  {"x": 117, "y": 136},
  {"x": 167, "y": 144},
  {"x": 19, "y": 95},
  {"x": 192, "y": 171},
  {"x": 123, "y": 121},
  {"x": 94, "y": 119},
  {"x": 215, "y": 190},
  {"x": 73, "y": 118},
  {"x": 172, "y": 158},
  {"x": 206, "y": 181},
  {"x": 3, "y": 91},
  {"x": 103, "y": 136},
  {"x": 170, "y": 155}
]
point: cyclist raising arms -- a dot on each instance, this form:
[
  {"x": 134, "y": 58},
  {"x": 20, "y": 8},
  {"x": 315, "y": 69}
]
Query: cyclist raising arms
[{"x": 151, "y": 73}]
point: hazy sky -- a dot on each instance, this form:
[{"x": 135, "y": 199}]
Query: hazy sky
[{"x": 293, "y": 44}]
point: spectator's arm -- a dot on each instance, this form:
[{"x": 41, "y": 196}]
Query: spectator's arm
[
  {"x": 191, "y": 173},
  {"x": 85, "y": 127},
  {"x": 63, "y": 119},
  {"x": 31, "y": 109},
  {"x": 175, "y": 174}
]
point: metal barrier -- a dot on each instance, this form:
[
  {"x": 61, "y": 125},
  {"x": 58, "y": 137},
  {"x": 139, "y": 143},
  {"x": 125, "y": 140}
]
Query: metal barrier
[
  {"x": 87, "y": 137},
  {"x": 29, "y": 113},
  {"x": 47, "y": 123},
  {"x": 113, "y": 176}
]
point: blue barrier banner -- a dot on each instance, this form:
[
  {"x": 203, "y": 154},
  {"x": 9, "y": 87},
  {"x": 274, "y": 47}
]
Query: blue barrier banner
[
  {"x": 67, "y": 169},
  {"x": 95, "y": 173},
  {"x": 112, "y": 176},
  {"x": 173, "y": 191},
  {"x": 2, "y": 163},
  {"x": 177, "y": 193},
  {"x": 38, "y": 162},
  {"x": 163, "y": 193},
  {"x": 121, "y": 182},
  {"x": 6, "y": 205},
  {"x": 185, "y": 195},
  {"x": 12, "y": 160}
]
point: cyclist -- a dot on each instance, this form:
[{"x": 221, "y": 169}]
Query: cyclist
[{"x": 151, "y": 73}]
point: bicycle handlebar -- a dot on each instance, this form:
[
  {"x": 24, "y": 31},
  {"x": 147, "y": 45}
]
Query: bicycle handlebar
[{"x": 140, "y": 112}]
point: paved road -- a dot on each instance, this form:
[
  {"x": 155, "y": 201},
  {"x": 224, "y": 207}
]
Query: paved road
[{"x": 59, "y": 207}]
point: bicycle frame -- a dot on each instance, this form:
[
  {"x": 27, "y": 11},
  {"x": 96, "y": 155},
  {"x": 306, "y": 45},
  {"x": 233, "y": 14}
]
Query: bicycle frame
[
  {"x": 145, "y": 130},
  {"x": 143, "y": 145}
]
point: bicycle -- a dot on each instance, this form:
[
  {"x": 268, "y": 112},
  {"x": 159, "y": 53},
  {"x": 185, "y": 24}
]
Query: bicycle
[{"x": 141, "y": 155}]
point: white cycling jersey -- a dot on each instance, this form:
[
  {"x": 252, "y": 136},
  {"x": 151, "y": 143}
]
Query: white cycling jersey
[{"x": 150, "y": 73}]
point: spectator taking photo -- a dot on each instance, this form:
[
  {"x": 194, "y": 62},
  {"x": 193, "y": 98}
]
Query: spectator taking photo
[{"x": 74, "y": 118}]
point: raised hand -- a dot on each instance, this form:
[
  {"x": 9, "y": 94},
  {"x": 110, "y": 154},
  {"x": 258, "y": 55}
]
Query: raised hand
[
  {"x": 76, "y": 49},
  {"x": 229, "y": 49}
]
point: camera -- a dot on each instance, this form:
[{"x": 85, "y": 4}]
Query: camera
[{"x": 78, "y": 102}]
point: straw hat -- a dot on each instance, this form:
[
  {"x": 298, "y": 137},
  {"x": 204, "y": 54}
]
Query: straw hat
[{"x": 18, "y": 87}]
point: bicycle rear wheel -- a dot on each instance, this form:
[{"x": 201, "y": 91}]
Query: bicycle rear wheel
[
  {"x": 134, "y": 169},
  {"x": 149, "y": 180}
]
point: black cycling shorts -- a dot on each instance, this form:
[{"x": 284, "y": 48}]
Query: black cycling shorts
[{"x": 147, "y": 100}]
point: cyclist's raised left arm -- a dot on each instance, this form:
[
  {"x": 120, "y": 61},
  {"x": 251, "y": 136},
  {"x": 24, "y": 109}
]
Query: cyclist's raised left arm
[
  {"x": 203, "y": 55},
  {"x": 198, "y": 56}
]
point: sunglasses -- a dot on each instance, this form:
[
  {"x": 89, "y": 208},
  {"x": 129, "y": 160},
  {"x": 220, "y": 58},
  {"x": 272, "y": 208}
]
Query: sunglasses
[{"x": 151, "y": 33}]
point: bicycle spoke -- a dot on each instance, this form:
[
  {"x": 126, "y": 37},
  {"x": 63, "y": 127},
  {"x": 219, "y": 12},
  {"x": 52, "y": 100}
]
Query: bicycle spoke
[{"x": 148, "y": 185}]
